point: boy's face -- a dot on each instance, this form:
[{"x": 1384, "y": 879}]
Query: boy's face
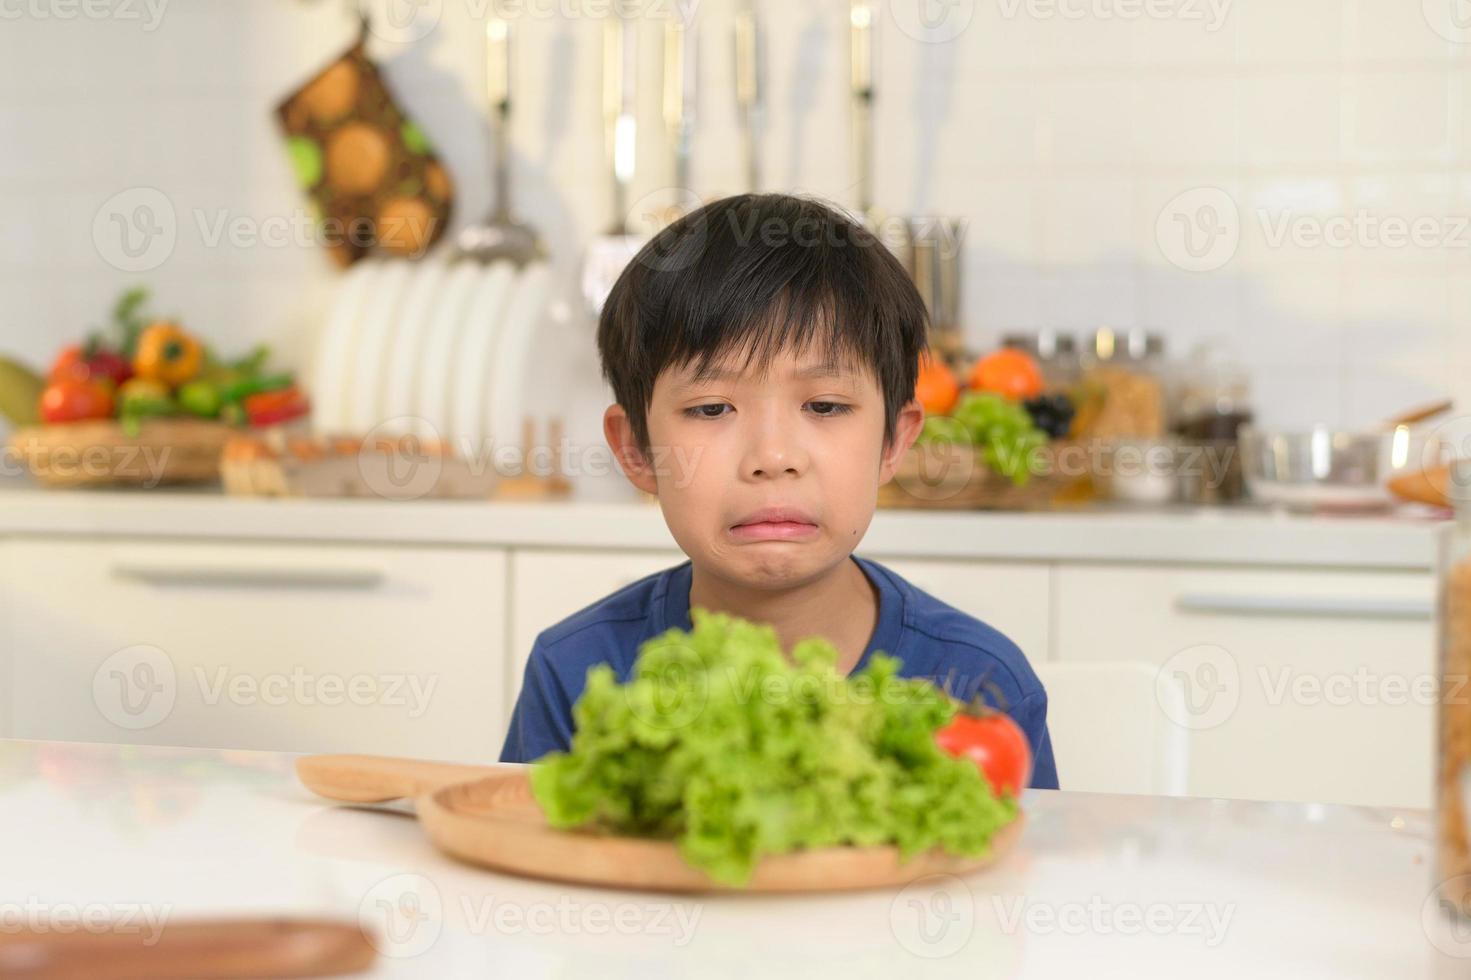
[{"x": 766, "y": 481}]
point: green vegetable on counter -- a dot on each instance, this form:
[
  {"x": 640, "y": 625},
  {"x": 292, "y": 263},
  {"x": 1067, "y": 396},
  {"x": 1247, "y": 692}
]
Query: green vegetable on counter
[
  {"x": 201, "y": 398},
  {"x": 243, "y": 389},
  {"x": 20, "y": 393},
  {"x": 143, "y": 397},
  {"x": 726, "y": 746},
  {"x": 1001, "y": 428}
]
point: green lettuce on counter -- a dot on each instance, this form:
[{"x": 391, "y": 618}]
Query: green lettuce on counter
[{"x": 723, "y": 744}]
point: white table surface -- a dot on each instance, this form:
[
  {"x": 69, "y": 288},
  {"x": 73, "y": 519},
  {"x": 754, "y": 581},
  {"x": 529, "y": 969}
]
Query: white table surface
[{"x": 1101, "y": 886}]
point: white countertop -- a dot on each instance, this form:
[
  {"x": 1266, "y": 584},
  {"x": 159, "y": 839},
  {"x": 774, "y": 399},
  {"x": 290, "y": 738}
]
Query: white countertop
[
  {"x": 1215, "y": 536},
  {"x": 1100, "y": 886}
]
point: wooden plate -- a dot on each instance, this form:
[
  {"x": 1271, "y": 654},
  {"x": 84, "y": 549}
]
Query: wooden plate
[
  {"x": 487, "y": 816},
  {"x": 495, "y": 822}
]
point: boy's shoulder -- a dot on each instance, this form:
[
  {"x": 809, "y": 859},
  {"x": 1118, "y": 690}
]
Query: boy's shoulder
[
  {"x": 622, "y": 611},
  {"x": 948, "y": 644}
]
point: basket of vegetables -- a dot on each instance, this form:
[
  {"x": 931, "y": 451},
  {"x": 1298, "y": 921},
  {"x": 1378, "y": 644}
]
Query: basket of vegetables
[
  {"x": 142, "y": 403},
  {"x": 994, "y": 443}
]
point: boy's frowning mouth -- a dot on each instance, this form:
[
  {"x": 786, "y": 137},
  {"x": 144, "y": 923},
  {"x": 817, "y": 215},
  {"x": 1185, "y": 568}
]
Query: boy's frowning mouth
[{"x": 775, "y": 524}]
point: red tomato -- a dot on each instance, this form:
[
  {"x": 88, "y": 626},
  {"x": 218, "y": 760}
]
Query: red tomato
[
  {"x": 73, "y": 400},
  {"x": 995, "y": 743},
  {"x": 72, "y": 364},
  {"x": 275, "y": 407}
]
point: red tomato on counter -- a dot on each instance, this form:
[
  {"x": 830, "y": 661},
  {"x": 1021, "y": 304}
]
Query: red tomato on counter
[
  {"x": 74, "y": 400},
  {"x": 995, "y": 743}
]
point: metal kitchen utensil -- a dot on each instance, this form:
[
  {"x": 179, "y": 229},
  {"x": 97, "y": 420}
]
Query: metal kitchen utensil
[
  {"x": 681, "y": 76},
  {"x": 749, "y": 106},
  {"x": 860, "y": 15},
  {"x": 933, "y": 259},
  {"x": 1332, "y": 470},
  {"x": 894, "y": 235},
  {"x": 501, "y": 236},
  {"x": 609, "y": 254}
]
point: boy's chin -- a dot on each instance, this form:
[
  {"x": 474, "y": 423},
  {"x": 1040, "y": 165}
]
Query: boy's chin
[{"x": 776, "y": 565}]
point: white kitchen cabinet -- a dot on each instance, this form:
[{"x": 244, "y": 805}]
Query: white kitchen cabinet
[
  {"x": 549, "y": 586},
  {"x": 1012, "y": 597},
  {"x": 290, "y": 647},
  {"x": 1301, "y": 685}
]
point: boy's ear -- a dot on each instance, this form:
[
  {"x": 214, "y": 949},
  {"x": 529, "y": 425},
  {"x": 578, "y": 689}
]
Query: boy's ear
[
  {"x": 906, "y": 430},
  {"x": 618, "y": 430}
]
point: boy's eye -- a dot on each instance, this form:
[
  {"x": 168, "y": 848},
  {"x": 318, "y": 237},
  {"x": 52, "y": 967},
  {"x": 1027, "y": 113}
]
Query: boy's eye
[
  {"x": 829, "y": 408},
  {"x": 712, "y": 411}
]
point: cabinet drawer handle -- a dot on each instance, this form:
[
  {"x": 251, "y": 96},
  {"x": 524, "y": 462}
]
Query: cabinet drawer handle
[
  {"x": 225, "y": 577},
  {"x": 1332, "y": 606}
]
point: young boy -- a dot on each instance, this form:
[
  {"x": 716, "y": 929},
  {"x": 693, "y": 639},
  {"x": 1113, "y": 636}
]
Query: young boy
[{"x": 763, "y": 353}]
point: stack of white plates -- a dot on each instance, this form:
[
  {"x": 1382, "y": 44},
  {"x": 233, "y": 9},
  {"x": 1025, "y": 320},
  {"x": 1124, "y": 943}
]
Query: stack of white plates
[{"x": 433, "y": 349}]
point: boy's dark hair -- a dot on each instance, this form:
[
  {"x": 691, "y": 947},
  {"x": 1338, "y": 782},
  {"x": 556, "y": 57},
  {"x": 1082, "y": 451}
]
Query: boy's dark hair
[{"x": 757, "y": 274}]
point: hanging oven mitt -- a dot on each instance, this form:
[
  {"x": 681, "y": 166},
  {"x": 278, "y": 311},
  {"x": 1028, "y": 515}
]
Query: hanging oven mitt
[{"x": 371, "y": 175}]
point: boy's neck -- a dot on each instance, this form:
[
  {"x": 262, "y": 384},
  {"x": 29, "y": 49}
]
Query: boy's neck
[{"x": 841, "y": 607}]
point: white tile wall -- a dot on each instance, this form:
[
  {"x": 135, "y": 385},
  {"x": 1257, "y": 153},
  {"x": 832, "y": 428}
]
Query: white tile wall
[{"x": 1059, "y": 129}]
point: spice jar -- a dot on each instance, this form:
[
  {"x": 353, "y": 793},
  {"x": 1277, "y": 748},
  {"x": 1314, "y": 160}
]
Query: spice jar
[
  {"x": 1123, "y": 374},
  {"x": 1212, "y": 404}
]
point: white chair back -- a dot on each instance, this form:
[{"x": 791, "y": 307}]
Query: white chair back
[{"x": 1114, "y": 727}]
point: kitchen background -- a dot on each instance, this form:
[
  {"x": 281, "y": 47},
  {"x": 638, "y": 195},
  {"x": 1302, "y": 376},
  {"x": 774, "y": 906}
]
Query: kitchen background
[
  {"x": 1286, "y": 180},
  {"x": 1062, "y": 132}
]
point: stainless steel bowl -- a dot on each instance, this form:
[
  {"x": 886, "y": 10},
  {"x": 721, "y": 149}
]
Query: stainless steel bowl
[{"x": 1327, "y": 469}]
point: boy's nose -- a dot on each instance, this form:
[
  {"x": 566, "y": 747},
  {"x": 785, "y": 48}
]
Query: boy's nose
[{"x": 774, "y": 453}]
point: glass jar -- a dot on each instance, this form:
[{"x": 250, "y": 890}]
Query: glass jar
[
  {"x": 1123, "y": 375},
  {"x": 1212, "y": 404}
]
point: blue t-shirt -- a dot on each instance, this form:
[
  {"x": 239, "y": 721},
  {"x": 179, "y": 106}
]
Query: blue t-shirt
[{"x": 933, "y": 640}]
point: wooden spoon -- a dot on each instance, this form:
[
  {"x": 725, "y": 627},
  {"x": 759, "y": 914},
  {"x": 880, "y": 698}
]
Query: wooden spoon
[
  {"x": 203, "y": 949},
  {"x": 381, "y": 778},
  {"x": 1420, "y": 414}
]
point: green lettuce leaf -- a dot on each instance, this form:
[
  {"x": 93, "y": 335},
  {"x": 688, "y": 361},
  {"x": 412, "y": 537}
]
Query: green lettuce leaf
[{"x": 733, "y": 750}]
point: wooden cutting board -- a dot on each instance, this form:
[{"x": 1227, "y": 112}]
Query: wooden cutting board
[{"x": 488, "y": 817}]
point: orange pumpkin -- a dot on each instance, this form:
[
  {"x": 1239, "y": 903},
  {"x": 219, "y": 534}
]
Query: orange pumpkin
[
  {"x": 1009, "y": 373},
  {"x": 936, "y": 387}
]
